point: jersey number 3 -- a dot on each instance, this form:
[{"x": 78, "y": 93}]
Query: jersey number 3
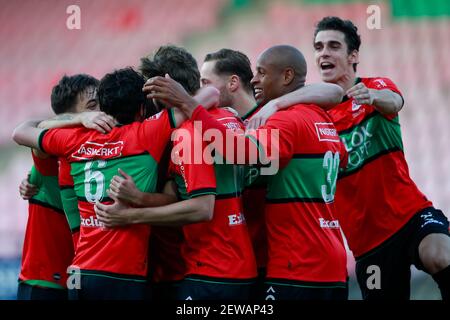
[{"x": 331, "y": 165}]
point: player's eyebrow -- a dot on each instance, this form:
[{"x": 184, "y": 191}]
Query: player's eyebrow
[{"x": 334, "y": 42}]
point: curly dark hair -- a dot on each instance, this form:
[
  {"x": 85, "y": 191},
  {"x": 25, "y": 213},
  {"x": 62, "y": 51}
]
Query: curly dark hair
[
  {"x": 64, "y": 94},
  {"x": 229, "y": 62},
  {"x": 120, "y": 95},
  {"x": 350, "y": 31},
  {"x": 177, "y": 62}
]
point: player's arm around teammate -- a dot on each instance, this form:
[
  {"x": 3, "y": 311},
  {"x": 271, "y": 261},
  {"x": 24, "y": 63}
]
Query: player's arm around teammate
[
  {"x": 28, "y": 133},
  {"x": 26, "y": 189},
  {"x": 124, "y": 188}
]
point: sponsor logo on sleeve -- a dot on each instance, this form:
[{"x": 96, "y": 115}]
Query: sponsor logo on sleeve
[{"x": 380, "y": 83}]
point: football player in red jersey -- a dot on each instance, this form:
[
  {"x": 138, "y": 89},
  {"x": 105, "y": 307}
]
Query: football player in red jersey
[
  {"x": 387, "y": 221},
  {"x": 230, "y": 71},
  {"x": 48, "y": 249},
  {"x": 112, "y": 262},
  {"x": 216, "y": 251},
  {"x": 306, "y": 257}
]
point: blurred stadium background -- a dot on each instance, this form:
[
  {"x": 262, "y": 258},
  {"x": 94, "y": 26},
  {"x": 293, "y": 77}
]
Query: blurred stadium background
[{"x": 36, "y": 49}]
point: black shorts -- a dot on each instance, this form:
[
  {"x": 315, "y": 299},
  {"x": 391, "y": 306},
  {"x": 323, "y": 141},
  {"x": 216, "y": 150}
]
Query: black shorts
[
  {"x": 384, "y": 272},
  {"x": 208, "y": 288},
  {"x": 29, "y": 292},
  {"x": 282, "y": 289},
  {"x": 257, "y": 290},
  {"x": 107, "y": 288},
  {"x": 165, "y": 291}
]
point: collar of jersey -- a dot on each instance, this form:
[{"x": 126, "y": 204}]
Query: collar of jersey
[{"x": 357, "y": 80}]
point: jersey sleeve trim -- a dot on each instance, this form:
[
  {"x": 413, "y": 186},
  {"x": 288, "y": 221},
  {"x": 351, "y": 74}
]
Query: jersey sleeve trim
[
  {"x": 41, "y": 140},
  {"x": 46, "y": 205},
  {"x": 202, "y": 192},
  {"x": 64, "y": 187}
]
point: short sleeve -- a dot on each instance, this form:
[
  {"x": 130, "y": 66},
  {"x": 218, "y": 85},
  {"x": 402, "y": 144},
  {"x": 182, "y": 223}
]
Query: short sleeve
[
  {"x": 200, "y": 179},
  {"x": 56, "y": 141},
  {"x": 196, "y": 175},
  {"x": 381, "y": 84}
]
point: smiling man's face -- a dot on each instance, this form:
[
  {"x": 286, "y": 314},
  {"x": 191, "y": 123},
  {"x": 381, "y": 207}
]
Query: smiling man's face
[{"x": 332, "y": 56}]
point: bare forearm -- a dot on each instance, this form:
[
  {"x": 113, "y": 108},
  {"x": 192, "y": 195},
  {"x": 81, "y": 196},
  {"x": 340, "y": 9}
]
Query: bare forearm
[
  {"x": 27, "y": 134},
  {"x": 144, "y": 199},
  {"x": 387, "y": 101},
  {"x": 325, "y": 95},
  {"x": 61, "y": 121},
  {"x": 175, "y": 214}
]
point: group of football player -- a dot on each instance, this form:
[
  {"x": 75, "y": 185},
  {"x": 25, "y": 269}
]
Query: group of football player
[{"x": 136, "y": 192}]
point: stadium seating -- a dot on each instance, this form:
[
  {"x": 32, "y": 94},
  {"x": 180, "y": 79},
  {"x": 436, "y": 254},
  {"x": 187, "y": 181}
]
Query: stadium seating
[{"x": 39, "y": 48}]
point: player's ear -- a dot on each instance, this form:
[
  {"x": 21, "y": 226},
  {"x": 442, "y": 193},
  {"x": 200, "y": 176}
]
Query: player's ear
[
  {"x": 233, "y": 83},
  {"x": 353, "y": 57},
  {"x": 289, "y": 75}
]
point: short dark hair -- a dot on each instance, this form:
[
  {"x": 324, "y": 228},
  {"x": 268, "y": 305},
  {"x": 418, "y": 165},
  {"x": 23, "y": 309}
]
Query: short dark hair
[
  {"x": 229, "y": 62},
  {"x": 64, "y": 94},
  {"x": 350, "y": 31},
  {"x": 120, "y": 95},
  {"x": 177, "y": 62}
]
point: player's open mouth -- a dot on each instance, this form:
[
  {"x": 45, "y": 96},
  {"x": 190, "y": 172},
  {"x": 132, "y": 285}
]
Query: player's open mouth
[
  {"x": 258, "y": 92},
  {"x": 326, "y": 65}
]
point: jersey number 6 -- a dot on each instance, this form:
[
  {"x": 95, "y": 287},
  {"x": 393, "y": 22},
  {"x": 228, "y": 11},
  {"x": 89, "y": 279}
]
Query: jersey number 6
[{"x": 94, "y": 180}]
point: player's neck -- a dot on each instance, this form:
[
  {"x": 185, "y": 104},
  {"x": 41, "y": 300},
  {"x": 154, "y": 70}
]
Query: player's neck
[
  {"x": 243, "y": 103},
  {"x": 347, "y": 81}
]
